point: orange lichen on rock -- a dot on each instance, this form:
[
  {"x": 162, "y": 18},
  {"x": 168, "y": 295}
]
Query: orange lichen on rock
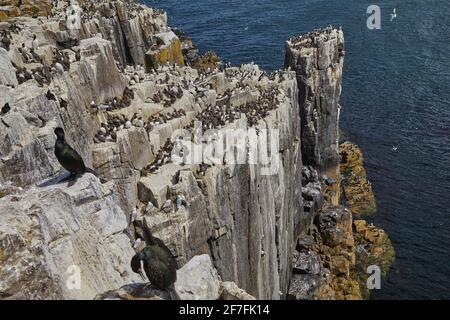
[
  {"x": 169, "y": 52},
  {"x": 356, "y": 189},
  {"x": 14, "y": 8},
  {"x": 209, "y": 60}
]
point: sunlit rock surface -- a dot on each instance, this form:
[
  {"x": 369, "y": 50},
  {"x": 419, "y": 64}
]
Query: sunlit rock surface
[
  {"x": 318, "y": 59},
  {"x": 50, "y": 234},
  {"x": 117, "y": 83}
]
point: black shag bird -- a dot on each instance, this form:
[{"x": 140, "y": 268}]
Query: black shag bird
[
  {"x": 6, "y": 108},
  {"x": 159, "y": 265},
  {"x": 63, "y": 103},
  {"x": 6, "y": 41},
  {"x": 50, "y": 96},
  {"x": 68, "y": 157}
]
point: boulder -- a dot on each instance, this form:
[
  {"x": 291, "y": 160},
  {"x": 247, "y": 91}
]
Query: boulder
[
  {"x": 169, "y": 51},
  {"x": 198, "y": 280},
  {"x": 306, "y": 262},
  {"x": 7, "y": 71},
  {"x": 230, "y": 291},
  {"x": 63, "y": 242},
  {"x": 358, "y": 192}
]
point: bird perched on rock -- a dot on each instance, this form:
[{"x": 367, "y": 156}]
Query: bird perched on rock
[
  {"x": 159, "y": 265},
  {"x": 6, "y": 41},
  {"x": 167, "y": 206},
  {"x": 68, "y": 157},
  {"x": 59, "y": 68},
  {"x": 50, "y": 96},
  {"x": 35, "y": 56},
  {"x": 35, "y": 42},
  {"x": 6, "y": 108},
  {"x": 181, "y": 201},
  {"x": 63, "y": 103}
]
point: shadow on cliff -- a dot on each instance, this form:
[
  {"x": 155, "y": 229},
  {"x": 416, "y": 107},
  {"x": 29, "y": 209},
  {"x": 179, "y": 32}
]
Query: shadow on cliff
[{"x": 60, "y": 178}]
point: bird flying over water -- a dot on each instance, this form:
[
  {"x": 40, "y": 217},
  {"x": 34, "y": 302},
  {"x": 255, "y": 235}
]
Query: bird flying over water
[{"x": 393, "y": 15}]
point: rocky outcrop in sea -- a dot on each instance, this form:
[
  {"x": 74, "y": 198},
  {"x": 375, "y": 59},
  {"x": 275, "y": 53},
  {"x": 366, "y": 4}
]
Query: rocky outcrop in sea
[{"x": 138, "y": 102}]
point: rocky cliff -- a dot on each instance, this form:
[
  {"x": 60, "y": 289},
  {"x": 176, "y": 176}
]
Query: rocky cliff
[
  {"x": 318, "y": 59},
  {"x": 231, "y": 163}
]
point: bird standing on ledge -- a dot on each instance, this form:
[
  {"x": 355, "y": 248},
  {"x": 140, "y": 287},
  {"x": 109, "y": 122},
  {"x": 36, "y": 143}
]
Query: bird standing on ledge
[
  {"x": 5, "y": 109},
  {"x": 159, "y": 265},
  {"x": 68, "y": 157},
  {"x": 35, "y": 42}
]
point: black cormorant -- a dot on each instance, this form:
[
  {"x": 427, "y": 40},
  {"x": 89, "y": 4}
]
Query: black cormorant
[
  {"x": 6, "y": 108},
  {"x": 159, "y": 265},
  {"x": 6, "y": 41},
  {"x": 50, "y": 96},
  {"x": 68, "y": 157}
]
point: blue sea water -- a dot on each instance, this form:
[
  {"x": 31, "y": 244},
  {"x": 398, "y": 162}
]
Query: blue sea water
[{"x": 396, "y": 92}]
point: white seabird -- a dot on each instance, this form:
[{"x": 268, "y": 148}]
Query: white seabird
[
  {"x": 35, "y": 43},
  {"x": 393, "y": 15},
  {"x": 59, "y": 68},
  {"x": 133, "y": 215}
]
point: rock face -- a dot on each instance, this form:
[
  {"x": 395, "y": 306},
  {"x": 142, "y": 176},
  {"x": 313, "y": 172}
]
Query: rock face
[
  {"x": 356, "y": 189},
  {"x": 169, "y": 51},
  {"x": 7, "y": 71},
  {"x": 140, "y": 34},
  {"x": 230, "y": 291},
  {"x": 373, "y": 248},
  {"x": 207, "y": 159},
  {"x": 14, "y": 8},
  {"x": 28, "y": 129},
  {"x": 51, "y": 234},
  {"x": 223, "y": 209},
  {"x": 325, "y": 259},
  {"x": 196, "y": 280},
  {"x": 245, "y": 216},
  {"x": 318, "y": 59}
]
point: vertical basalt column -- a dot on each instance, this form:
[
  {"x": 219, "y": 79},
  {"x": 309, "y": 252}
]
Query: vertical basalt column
[{"x": 318, "y": 58}]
